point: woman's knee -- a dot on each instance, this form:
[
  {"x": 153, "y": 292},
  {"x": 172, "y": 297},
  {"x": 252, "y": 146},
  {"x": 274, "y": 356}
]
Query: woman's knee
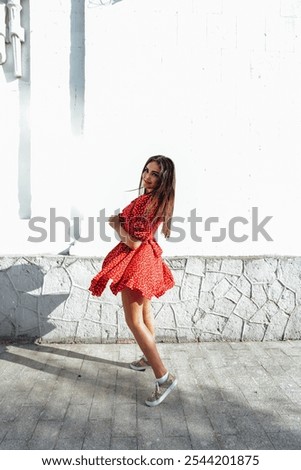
[
  {"x": 133, "y": 303},
  {"x": 134, "y": 323}
]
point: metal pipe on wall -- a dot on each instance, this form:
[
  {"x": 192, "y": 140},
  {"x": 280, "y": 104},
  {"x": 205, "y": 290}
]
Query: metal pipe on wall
[
  {"x": 16, "y": 34},
  {"x": 2, "y": 33}
]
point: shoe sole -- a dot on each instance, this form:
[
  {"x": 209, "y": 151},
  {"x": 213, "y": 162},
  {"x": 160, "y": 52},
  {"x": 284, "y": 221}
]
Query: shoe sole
[
  {"x": 157, "y": 402},
  {"x": 138, "y": 369}
]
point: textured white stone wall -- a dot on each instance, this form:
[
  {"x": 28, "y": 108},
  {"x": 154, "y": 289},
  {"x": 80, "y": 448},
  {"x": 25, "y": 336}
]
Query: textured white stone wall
[{"x": 214, "y": 299}]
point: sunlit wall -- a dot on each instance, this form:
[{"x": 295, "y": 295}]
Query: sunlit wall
[{"x": 215, "y": 85}]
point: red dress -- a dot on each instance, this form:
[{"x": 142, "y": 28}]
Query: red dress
[{"x": 142, "y": 269}]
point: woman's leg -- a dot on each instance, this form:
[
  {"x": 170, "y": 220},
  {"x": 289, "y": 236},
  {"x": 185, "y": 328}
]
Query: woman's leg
[
  {"x": 148, "y": 317},
  {"x": 133, "y": 303}
]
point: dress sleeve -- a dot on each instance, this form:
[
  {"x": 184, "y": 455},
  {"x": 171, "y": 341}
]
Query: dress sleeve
[{"x": 135, "y": 219}]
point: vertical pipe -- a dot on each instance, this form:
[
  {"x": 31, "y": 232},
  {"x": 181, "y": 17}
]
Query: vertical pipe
[
  {"x": 16, "y": 33},
  {"x": 17, "y": 56},
  {"x": 2, "y": 33}
]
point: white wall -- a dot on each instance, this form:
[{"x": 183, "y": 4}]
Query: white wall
[{"x": 212, "y": 84}]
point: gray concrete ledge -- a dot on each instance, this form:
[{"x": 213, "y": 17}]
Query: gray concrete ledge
[{"x": 214, "y": 299}]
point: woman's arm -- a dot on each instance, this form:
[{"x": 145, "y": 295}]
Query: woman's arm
[{"x": 124, "y": 236}]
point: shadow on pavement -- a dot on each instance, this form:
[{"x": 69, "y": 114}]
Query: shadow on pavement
[{"x": 86, "y": 405}]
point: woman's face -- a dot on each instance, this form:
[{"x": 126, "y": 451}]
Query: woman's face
[{"x": 151, "y": 176}]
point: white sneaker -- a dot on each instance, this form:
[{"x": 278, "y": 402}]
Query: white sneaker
[
  {"x": 161, "y": 391},
  {"x": 140, "y": 365}
]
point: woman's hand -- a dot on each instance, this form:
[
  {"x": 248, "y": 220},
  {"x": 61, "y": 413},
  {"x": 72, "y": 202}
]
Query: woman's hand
[{"x": 113, "y": 220}]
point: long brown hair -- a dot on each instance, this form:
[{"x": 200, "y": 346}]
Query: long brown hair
[{"x": 164, "y": 195}]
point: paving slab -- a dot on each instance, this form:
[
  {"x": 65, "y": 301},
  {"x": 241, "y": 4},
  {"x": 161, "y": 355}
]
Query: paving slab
[{"x": 76, "y": 396}]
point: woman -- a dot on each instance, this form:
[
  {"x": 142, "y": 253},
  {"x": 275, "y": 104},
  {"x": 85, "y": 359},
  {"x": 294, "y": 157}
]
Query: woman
[{"x": 137, "y": 269}]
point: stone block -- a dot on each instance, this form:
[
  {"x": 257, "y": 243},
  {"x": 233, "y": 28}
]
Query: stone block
[
  {"x": 245, "y": 308},
  {"x": 244, "y": 286},
  {"x": 258, "y": 295},
  {"x": 186, "y": 335},
  {"x": 56, "y": 281},
  {"x": 27, "y": 322},
  {"x": 81, "y": 272},
  {"x": 77, "y": 301},
  {"x": 26, "y": 277},
  {"x": 176, "y": 263},
  {"x": 287, "y": 301},
  {"x": 213, "y": 265},
  {"x": 8, "y": 295},
  {"x": 6, "y": 262},
  {"x": 253, "y": 331},
  {"x": 59, "y": 331},
  {"x": 110, "y": 313},
  {"x": 206, "y": 301},
  {"x": 52, "y": 305},
  {"x": 171, "y": 295},
  {"x": 29, "y": 301},
  {"x": 261, "y": 270},
  {"x": 166, "y": 334},
  {"x": 90, "y": 332},
  {"x": 178, "y": 275},
  {"x": 276, "y": 328},
  {"x": 94, "y": 309},
  {"x": 293, "y": 327},
  {"x": 233, "y": 294},
  {"x": 213, "y": 324},
  {"x": 221, "y": 288},
  {"x": 265, "y": 313},
  {"x": 190, "y": 287},
  {"x": 199, "y": 313},
  {"x": 232, "y": 266},
  {"x": 166, "y": 318},
  {"x": 224, "y": 307},
  {"x": 210, "y": 280},
  {"x": 46, "y": 262},
  {"x": 110, "y": 334},
  {"x": 7, "y": 327},
  {"x": 183, "y": 312},
  {"x": 195, "y": 265},
  {"x": 233, "y": 329},
  {"x": 289, "y": 273},
  {"x": 96, "y": 264},
  {"x": 274, "y": 291}
]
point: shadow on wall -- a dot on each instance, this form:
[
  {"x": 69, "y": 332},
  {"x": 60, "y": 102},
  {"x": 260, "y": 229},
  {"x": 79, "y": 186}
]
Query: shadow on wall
[
  {"x": 77, "y": 66},
  {"x": 24, "y": 310}
]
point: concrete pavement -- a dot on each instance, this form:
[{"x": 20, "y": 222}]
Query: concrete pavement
[{"x": 84, "y": 396}]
